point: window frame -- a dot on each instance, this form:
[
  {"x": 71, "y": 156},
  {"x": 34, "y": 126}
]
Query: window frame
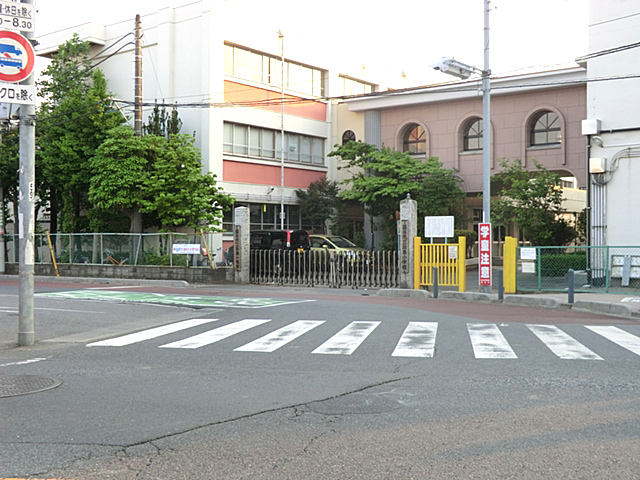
[
  {"x": 476, "y": 137},
  {"x": 546, "y": 130},
  {"x": 407, "y": 143}
]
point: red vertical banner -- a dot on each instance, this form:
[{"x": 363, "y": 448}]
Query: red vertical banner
[{"x": 484, "y": 254}]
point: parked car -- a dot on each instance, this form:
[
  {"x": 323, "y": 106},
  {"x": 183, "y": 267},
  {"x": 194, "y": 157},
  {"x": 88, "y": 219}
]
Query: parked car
[
  {"x": 297, "y": 240},
  {"x": 333, "y": 242}
]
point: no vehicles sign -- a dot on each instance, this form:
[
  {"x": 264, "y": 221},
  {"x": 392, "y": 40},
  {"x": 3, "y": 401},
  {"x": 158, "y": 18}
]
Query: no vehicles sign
[{"x": 17, "y": 57}]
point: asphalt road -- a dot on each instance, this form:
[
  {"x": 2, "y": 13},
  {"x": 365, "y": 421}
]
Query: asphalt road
[{"x": 314, "y": 384}]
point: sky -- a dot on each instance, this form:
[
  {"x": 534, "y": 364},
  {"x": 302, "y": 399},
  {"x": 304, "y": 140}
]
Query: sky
[{"x": 390, "y": 38}]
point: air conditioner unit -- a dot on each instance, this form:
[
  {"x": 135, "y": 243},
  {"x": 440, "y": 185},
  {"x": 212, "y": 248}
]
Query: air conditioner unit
[{"x": 597, "y": 165}]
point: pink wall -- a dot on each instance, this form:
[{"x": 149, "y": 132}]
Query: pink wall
[
  {"x": 509, "y": 134},
  {"x": 236, "y": 92},
  {"x": 268, "y": 174}
]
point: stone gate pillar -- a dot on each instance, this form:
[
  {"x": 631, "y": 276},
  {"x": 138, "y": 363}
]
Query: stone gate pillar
[
  {"x": 241, "y": 259},
  {"x": 407, "y": 230}
]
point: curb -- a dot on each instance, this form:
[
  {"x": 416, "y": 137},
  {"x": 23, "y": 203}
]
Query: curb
[
  {"x": 403, "y": 293},
  {"x": 602, "y": 307},
  {"x": 545, "y": 302},
  {"x": 111, "y": 281},
  {"x": 468, "y": 296}
]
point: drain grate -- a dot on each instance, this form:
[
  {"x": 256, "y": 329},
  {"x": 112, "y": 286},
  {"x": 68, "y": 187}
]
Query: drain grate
[{"x": 10, "y": 386}]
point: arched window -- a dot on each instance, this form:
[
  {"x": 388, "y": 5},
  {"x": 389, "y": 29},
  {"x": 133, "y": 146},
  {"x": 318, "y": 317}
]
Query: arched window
[
  {"x": 545, "y": 129},
  {"x": 414, "y": 140},
  {"x": 348, "y": 136},
  {"x": 472, "y": 135}
]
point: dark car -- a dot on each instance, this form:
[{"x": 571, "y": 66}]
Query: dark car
[{"x": 297, "y": 240}]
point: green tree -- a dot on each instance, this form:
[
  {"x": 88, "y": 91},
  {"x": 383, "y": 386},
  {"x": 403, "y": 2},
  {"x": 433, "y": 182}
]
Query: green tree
[
  {"x": 72, "y": 123},
  {"x": 162, "y": 124},
  {"x": 533, "y": 201},
  {"x": 319, "y": 202},
  {"x": 120, "y": 169},
  {"x": 177, "y": 191},
  {"x": 9, "y": 165},
  {"x": 384, "y": 176}
]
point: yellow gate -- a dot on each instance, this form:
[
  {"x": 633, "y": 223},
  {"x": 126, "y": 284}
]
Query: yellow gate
[{"x": 449, "y": 258}]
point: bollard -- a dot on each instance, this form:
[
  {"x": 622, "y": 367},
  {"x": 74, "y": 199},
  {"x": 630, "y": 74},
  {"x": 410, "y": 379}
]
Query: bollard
[
  {"x": 435, "y": 282},
  {"x": 570, "y": 290},
  {"x": 500, "y": 285}
]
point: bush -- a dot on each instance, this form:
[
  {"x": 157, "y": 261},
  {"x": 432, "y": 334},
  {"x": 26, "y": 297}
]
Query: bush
[{"x": 557, "y": 265}]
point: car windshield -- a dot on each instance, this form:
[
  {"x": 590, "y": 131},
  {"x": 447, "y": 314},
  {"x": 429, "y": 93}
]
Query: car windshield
[{"x": 341, "y": 242}]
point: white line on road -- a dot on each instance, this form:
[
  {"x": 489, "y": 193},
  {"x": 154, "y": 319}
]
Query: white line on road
[
  {"x": 563, "y": 345},
  {"x": 24, "y": 362},
  {"x": 418, "y": 340},
  {"x": 488, "y": 341},
  {"x": 348, "y": 339},
  {"x": 151, "y": 333},
  {"x": 216, "y": 334},
  {"x": 280, "y": 337},
  {"x": 620, "y": 337}
]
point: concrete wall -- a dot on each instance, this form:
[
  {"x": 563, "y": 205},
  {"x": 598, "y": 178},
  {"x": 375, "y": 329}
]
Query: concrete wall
[{"x": 222, "y": 275}]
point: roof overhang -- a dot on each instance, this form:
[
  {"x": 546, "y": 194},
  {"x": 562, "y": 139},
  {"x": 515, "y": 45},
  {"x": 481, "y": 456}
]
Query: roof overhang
[
  {"x": 93, "y": 33},
  {"x": 500, "y": 85}
]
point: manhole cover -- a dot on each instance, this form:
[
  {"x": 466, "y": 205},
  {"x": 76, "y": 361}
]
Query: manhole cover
[{"x": 24, "y": 384}]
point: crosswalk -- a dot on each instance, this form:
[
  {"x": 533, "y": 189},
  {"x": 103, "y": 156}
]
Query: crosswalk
[{"x": 417, "y": 340}]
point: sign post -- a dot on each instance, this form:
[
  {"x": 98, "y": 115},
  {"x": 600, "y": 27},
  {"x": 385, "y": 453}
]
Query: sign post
[{"x": 484, "y": 254}]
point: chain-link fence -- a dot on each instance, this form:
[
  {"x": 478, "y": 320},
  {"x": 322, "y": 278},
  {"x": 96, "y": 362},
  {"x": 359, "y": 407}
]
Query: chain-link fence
[
  {"x": 596, "y": 269},
  {"x": 118, "y": 249}
]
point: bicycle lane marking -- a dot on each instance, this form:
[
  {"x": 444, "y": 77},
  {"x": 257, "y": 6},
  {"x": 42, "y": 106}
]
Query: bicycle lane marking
[{"x": 171, "y": 299}]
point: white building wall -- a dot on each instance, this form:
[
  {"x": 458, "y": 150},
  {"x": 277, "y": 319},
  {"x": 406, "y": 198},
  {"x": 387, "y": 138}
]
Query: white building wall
[{"x": 615, "y": 101}]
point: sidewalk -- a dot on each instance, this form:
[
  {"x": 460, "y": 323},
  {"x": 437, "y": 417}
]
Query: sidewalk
[{"x": 603, "y": 303}]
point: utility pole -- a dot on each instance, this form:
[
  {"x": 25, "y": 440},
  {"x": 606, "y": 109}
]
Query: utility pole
[
  {"x": 137, "y": 79},
  {"x": 26, "y": 215},
  {"x": 136, "y": 226}
]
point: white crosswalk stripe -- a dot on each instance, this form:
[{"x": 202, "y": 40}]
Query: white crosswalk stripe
[
  {"x": 151, "y": 333},
  {"x": 620, "y": 337},
  {"x": 215, "y": 335},
  {"x": 488, "y": 342},
  {"x": 418, "y": 340},
  {"x": 348, "y": 339},
  {"x": 279, "y": 338},
  {"x": 563, "y": 345}
]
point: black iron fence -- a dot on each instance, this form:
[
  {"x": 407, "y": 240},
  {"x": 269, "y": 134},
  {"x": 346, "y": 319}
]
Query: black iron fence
[{"x": 334, "y": 269}]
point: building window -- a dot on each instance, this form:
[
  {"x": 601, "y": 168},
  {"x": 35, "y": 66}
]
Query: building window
[
  {"x": 415, "y": 140},
  {"x": 261, "y": 68},
  {"x": 351, "y": 86},
  {"x": 266, "y": 144},
  {"x": 545, "y": 129},
  {"x": 472, "y": 136},
  {"x": 348, "y": 136},
  {"x": 264, "y": 216}
]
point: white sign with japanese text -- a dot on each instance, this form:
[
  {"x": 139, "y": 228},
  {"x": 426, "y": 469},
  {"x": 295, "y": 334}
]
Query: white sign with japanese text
[
  {"x": 17, "y": 16},
  {"x": 438, "y": 227},
  {"x": 484, "y": 254},
  {"x": 14, "y": 93},
  {"x": 186, "y": 248}
]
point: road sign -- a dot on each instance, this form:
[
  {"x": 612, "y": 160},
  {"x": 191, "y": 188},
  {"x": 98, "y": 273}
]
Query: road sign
[
  {"x": 17, "y": 16},
  {"x": 484, "y": 254},
  {"x": 17, "y": 57},
  {"x": 21, "y": 94}
]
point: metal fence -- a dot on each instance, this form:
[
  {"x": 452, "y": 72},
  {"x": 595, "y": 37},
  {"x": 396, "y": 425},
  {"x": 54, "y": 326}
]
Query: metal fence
[
  {"x": 114, "y": 249},
  {"x": 596, "y": 269},
  {"x": 334, "y": 269}
]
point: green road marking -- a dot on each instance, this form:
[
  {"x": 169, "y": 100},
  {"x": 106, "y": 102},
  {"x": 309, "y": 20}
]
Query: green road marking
[{"x": 170, "y": 299}]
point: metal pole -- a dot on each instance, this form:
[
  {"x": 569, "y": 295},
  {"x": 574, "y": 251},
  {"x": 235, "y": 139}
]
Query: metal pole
[
  {"x": 435, "y": 282},
  {"x": 26, "y": 216},
  {"x": 137, "y": 80},
  {"x": 2, "y": 268},
  {"x": 571, "y": 286},
  {"x": 486, "y": 130},
  {"x": 281, "y": 37}
]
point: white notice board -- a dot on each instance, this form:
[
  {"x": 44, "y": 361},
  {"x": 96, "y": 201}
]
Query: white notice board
[{"x": 439, "y": 227}]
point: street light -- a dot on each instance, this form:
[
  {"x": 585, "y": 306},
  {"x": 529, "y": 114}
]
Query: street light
[{"x": 463, "y": 71}]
